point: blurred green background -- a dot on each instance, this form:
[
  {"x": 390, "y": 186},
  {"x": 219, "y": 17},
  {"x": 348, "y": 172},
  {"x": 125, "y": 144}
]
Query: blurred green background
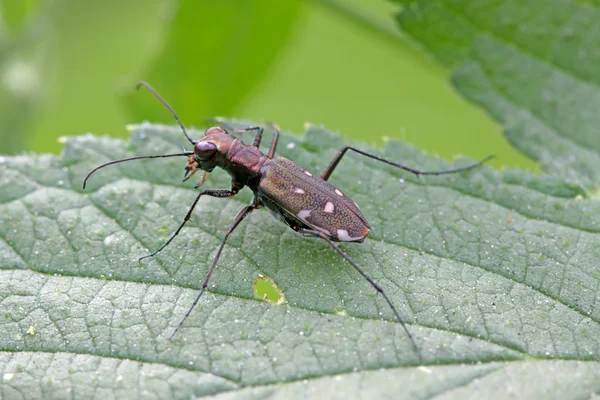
[{"x": 70, "y": 66}]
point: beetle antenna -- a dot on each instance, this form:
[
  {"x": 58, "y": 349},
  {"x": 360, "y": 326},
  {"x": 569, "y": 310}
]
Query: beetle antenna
[
  {"x": 453, "y": 171},
  {"x": 185, "y": 153},
  {"x": 159, "y": 97}
]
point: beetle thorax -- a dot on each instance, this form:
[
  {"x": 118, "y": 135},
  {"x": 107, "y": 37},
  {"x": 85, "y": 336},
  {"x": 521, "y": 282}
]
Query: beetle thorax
[
  {"x": 243, "y": 162},
  {"x": 219, "y": 149}
]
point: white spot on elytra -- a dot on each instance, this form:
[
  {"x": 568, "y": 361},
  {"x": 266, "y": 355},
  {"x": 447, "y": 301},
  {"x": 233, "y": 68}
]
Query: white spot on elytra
[
  {"x": 303, "y": 214},
  {"x": 343, "y": 234},
  {"x": 345, "y": 237},
  {"x": 298, "y": 190},
  {"x": 338, "y": 192},
  {"x": 307, "y": 173},
  {"x": 329, "y": 207}
]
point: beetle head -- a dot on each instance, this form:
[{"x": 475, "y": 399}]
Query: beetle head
[{"x": 209, "y": 152}]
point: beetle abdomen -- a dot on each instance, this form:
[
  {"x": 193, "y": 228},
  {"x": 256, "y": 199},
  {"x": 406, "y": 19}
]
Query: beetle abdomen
[{"x": 312, "y": 201}]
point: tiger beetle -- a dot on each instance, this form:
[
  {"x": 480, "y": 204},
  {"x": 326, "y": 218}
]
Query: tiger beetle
[{"x": 306, "y": 203}]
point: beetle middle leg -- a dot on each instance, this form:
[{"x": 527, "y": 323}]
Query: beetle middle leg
[
  {"x": 328, "y": 171},
  {"x": 258, "y": 138},
  {"x": 230, "y": 128},
  {"x": 273, "y": 146},
  {"x": 310, "y": 232},
  {"x": 239, "y": 218},
  {"x": 220, "y": 193}
]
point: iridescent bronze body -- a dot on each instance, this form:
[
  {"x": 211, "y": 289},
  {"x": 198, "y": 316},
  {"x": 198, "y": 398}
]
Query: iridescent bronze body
[{"x": 306, "y": 203}]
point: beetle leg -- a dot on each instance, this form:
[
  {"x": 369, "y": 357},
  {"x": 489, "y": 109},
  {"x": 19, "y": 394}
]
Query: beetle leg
[
  {"x": 208, "y": 192},
  {"x": 341, "y": 252},
  {"x": 257, "y": 138},
  {"x": 417, "y": 172},
  {"x": 273, "y": 146},
  {"x": 229, "y": 128},
  {"x": 239, "y": 218}
]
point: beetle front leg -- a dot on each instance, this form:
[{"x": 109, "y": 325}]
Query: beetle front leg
[
  {"x": 239, "y": 218},
  {"x": 221, "y": 193},
  {"x": 329, "y": 170}
]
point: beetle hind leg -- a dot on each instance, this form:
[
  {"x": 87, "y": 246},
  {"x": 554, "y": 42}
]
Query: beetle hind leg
[
  {"x": 333, "y": 164},
  {"x": 313, "y": 233}
]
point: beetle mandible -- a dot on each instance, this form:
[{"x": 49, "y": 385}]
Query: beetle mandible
[{"x": 306, "y": 203}]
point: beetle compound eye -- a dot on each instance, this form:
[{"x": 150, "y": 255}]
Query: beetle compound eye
[{"x": 205, "y": 150}]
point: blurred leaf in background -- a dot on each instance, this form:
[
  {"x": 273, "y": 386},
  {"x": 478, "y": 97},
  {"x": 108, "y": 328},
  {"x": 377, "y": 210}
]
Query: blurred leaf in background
[
  {"x": 215, "y": 54},
  {"x": 19, "y": 81},
  {"x": 342, "y": 64},
  {"x": 532, "y": 65},
  {"x": 89, "y": 54},
  {"x": 63, "y": 63}
]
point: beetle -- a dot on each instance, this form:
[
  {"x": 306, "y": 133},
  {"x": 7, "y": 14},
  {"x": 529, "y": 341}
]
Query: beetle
[{"x": 308, "y": 204}]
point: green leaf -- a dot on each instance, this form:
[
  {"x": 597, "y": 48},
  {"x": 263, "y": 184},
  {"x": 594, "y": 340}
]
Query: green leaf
[
  {"x": 496, "y": 293},
  {"x": 531, "y": 64},
  {"x": 16, "y": 12}
]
